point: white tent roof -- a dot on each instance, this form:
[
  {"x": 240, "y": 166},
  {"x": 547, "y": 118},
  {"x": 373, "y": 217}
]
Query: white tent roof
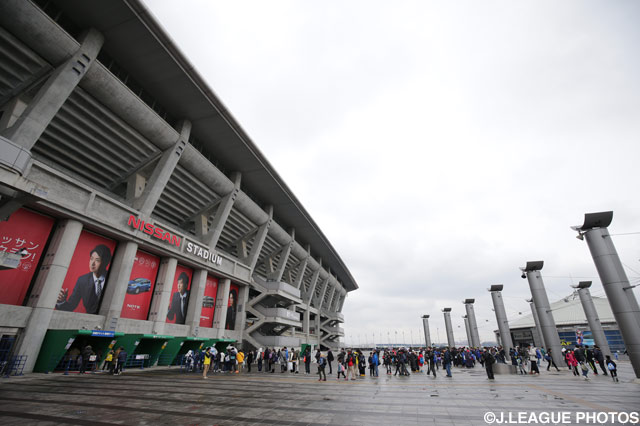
[{"x": 568, "y": 311}]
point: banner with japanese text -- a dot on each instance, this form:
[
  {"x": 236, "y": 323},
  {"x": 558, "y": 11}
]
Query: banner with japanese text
[
  {"x": 209, "y": 302},
  {"x": 29, "y": 231}
]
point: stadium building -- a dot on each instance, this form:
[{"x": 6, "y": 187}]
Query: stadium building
[{"x": 135, "y": 210}]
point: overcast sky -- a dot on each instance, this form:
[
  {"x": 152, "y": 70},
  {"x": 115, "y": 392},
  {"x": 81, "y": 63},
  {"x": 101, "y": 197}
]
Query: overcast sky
[{"x": 439, "y": 145}]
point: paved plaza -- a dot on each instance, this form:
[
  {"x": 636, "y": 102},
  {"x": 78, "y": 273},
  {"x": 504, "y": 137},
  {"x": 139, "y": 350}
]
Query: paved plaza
[{"x": 170, "y": 397}]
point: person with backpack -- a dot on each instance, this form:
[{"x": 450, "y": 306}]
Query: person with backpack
[
  {"x": 488, "y": 360},
  {"x": 329, "y": 360},
  {"x": 321, "y": 364},
  {"x": 613, "y": 368}
]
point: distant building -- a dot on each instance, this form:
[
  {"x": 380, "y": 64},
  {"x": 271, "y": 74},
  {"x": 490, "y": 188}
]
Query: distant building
[{"x": 570, "y": 318}]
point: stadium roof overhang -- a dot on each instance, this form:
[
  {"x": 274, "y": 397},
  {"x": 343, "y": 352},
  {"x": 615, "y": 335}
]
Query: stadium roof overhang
[{"x": 138, "y": 43}]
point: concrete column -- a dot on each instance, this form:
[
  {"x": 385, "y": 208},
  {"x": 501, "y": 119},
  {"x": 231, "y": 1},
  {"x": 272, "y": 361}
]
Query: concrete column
[
  {"x": 162, "y": 172},
  {"x": 194, "y": 306},
  {"x": 473, "y": 324},
  {"x": 447, "y": 323},
  {"x": 162, "y": 294},
  {"x": 427, "y": 334},
  {"x": 468, "y": 330},
  {"x": 116, "y": 286},
  {"x": 52, "y": 95},
  {"x": 615, "y": 282},
  {"x": 501, "y": 317},
  {"x": 332, "y": 294},
  {"x": 545, "y": 317},
  {"x": 222, "y": 303},
  {"x": 241, "y": 315},
  {"x": 592, "y": 317},
  {"x": 285, "y": 251},
  {"x": 306, "y": 319},
  {"x": 47, "y": 287},
  {"x": 538, "y": 338}
]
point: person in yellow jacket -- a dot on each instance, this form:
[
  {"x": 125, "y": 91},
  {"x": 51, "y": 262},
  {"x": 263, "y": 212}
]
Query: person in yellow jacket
[
  {"x": 207, "y": 362},
  {"x": 240, "y": 359}
]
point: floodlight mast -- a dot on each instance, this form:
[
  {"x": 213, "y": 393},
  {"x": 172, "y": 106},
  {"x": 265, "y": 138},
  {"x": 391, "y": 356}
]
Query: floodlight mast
[
  {"x": 592, "y": 316},
  {"x": 614, "y": 281},
  {"x": 447, "y": 323},
  {"x": 541, "y": 302},
  {"x": 427, "y": 333},
  {"x": 501, "y": 317}
]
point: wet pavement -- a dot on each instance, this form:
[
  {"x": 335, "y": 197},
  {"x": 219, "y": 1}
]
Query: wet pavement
[{"x": 166, "y": 396}]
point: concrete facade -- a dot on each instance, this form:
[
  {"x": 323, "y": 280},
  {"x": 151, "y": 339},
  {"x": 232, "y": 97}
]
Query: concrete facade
[{"x": 85, "y": 144}]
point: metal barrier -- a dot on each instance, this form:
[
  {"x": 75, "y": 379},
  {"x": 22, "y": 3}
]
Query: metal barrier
[{"x": 14, "y": 366}]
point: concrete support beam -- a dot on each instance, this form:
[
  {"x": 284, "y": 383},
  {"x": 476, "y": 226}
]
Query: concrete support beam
[
  {"x": 592, "y": 317},
  {"x": 147, "y": 201},
  {"x": 222, "y": 214},
  {"x": 162, "y": 294},
  {"x": 317, "y": 301},
  {"x": 243, "y": 300},
  {"x": 116, "y": 287},
  {"x": 447, "y": 323},
  {"x": 46, "y": 289},
  {"x": 250, "y": 259},
  {"x": 222, "y": 303},
  {"x": 312, "y": 287},
  {"x": 285, "y": 251},
  {"x": 28, "y": 128},
  {"x": 501, "y": 317},
  {"x": 302, "y": 268},
  {"x": 196, "y": 294},
  {"x": 427, "y": 332},
  {"x": 541, "y": 301}
]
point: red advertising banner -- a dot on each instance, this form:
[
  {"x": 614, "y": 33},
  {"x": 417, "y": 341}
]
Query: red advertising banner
[
  {"x": 25, "y": 230},
  {"x": 84, "y": 284},
  {"x": 140, "y": 287},
  {"x": 180, "y": 295},
  {"x": 232, "y": 307},
  {"x": 209, "y": 302}
]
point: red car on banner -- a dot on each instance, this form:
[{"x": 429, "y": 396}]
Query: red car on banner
[{"x": 140, "y": 286}]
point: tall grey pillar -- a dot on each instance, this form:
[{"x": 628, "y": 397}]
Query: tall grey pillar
[
  {"x": 427, "y": 334},
  {"x": 45, "y": 292},
  {"x": 541, "y": 301},
  {"x": 537, "y": 329},
  {"x": 614, "y": 280},
  {"x": 501, "y": 317},
  {"x": 467, "y": 329},
  {"x": 473, "y": 324},
  {"x": 592, "y": 316},
  {"x": 447, "y": 323},
  {"x": 222, "y": 303}
]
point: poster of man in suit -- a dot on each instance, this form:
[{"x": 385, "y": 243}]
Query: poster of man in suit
[
  {"x": 86, "y": 288},
  {"x": 180, "y": 295}
]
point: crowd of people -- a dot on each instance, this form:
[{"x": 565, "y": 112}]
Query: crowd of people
[{"x": 352, "y": 364}]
